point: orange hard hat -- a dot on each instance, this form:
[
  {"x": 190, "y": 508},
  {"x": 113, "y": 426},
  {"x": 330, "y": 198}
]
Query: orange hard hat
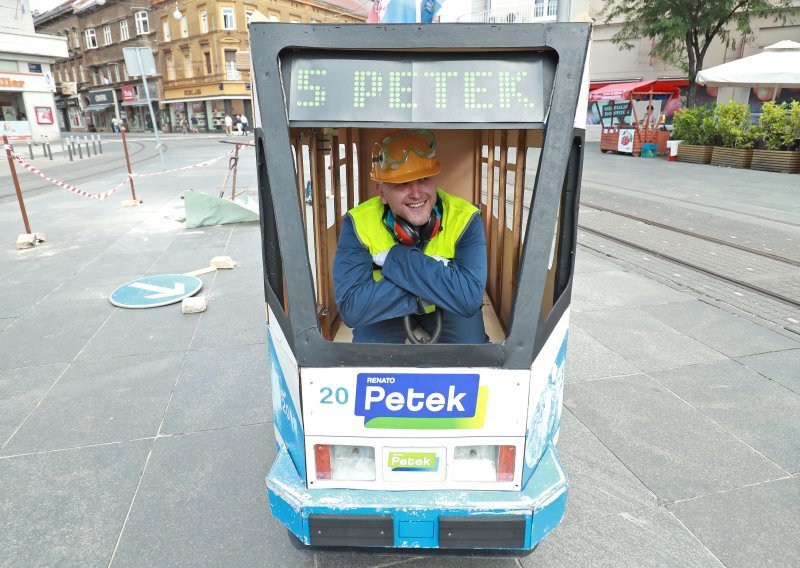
[{"x": 405, "y": 155}]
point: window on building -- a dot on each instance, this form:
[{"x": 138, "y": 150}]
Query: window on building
[
  {"x": 188, "y": 72},
  {"x": 249, "y": 15},
  {"x": 123, "y": 31},
  {"x": 75, "y": 117},
  {"x": 228, "y": 23},
  {"x": 95, "y": 78},
  {"x": 165, "y": 29},
  {"x": 170, "y": 67},
  {"x": 231, "y": 73},
  {"x": 91, "y": 39},
  {"x": 142, "y": 23},
  {"x": 184, "y": 27},
  {"x": 83, "y": 73},
  {"x": 274, "y": 17},
  {"x": 203, "y": 21},
  {"x": 207, "y": 57},
  {"x": 107, "y": 35},
  {"x": 116, "y": 72},
  {"x": 76, "y": 42}
]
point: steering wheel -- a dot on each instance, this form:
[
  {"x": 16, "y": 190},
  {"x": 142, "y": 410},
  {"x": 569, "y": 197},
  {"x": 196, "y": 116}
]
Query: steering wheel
[{"x": 437, "y": 330}]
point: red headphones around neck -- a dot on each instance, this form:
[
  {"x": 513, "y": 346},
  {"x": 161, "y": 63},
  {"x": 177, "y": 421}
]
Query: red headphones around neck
[{"x": 412, "y": 235}]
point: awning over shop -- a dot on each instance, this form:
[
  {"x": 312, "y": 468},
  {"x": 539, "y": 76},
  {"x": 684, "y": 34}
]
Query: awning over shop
[
  {"x": 137, "y": 103},
  {"x": 621, "y": 91},
  {"x": 203, "y": 99},
  {"x": 97, "y": 108}
]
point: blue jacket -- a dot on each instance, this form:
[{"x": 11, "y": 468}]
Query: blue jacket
[{"x": 408, "y": 274}]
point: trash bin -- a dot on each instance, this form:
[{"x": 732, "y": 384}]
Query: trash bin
[{"x": 649, "y": 150}]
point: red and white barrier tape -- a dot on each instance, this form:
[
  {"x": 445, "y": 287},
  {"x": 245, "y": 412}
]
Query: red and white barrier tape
[
  {"x": 106, "y": 194},
  {"x": 199, "y": 165},
  {"x": 68, "y": 187}
]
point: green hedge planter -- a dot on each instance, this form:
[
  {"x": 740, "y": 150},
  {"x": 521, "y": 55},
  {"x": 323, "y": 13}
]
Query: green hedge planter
[
  {"x": 695, "y": 154},
  {"x": 731, "y": 157},
  {"x": 776, "y": 161}
]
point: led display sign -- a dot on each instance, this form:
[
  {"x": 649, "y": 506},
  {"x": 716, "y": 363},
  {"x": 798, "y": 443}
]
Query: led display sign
[{"x": 384, "y": 87}]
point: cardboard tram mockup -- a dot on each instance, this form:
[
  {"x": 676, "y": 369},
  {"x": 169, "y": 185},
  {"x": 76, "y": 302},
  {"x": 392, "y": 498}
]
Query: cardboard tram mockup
[{"x": 430, "y": 445}]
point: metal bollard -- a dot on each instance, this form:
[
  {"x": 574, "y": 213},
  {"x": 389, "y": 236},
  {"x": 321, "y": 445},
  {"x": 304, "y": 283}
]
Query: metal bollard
[
  {"x": 94, "y": 144},
  {"x": 49, "y": 150},
  {"x": 100, "y": 143},
  {"x": 69, "y": 149},
  {"x": 86, "y": 141},
  {"x": 30, "y": 149},
  {"x": 80, "y": 152}
]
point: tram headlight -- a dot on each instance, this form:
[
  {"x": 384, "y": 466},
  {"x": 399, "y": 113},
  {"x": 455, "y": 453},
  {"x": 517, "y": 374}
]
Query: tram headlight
[
  {"x": 344, "y": 463},
  {"x": 483, "y": 463}
]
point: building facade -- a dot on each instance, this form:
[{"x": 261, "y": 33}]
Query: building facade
[
  {"x": 27, "y": 87},
  {"x": 610, "y": 63},
  {"x": 199, "y": 42},
  {"x": 93, "y": 83}
]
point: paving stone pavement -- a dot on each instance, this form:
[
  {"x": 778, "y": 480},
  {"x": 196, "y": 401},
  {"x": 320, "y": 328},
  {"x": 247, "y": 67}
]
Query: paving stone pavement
[{"x": 143, "y": 437}]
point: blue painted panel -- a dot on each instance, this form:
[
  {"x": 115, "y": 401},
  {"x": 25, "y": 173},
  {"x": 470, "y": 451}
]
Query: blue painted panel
[
  {"x": 545, "y": 420},
  {"x": 415, "y": 529},
  {"x": 542, "y": 502},
  {"x": 286, "y": 417}
]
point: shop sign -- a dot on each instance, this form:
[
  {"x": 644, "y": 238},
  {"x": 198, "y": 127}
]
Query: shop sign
[
  {"x": 192, "y": 92},
  {"x": 616, "y": 111},
  {"x": 15, "y": 129},
  {"x": 25, "y": 82},
  {"x": 11, "y": 82},
  {"x": 35, "y": 67},
  {"x": 101, "y": 97},
  {"x": 44, "y": 115},
  {"x": 625, "y": 140},
  {"x": 128, "y": 94}
]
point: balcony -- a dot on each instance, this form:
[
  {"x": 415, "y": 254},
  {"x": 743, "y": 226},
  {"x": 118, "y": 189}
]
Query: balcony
[{"x": 231, "y": 73}]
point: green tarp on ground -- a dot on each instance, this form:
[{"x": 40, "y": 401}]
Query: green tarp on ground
[{"x": 204, "y": 210}]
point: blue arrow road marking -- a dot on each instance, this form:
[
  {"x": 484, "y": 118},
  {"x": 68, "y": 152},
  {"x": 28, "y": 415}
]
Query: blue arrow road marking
[{"x": 160, "y": 291}]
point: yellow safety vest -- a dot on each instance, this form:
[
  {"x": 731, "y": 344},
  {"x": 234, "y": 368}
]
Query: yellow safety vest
[{"x": 373, "y": 234}]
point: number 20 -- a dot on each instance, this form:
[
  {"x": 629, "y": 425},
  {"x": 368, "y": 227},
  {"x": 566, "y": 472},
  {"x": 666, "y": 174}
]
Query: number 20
[{"x": 340, "y": 395}]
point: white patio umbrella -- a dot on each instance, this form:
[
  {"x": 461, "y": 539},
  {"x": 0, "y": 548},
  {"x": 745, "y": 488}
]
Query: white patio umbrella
[{"x": 775, "y": 67}]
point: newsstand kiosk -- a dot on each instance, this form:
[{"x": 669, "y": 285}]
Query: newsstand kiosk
[{"x": 507, "y": 106}]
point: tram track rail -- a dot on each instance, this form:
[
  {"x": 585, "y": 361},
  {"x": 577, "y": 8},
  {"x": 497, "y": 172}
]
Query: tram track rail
[
  {"x": 785, "y": 300},
  {"x": 694, "y": 234},
  {"x": 693, "y": 266}
]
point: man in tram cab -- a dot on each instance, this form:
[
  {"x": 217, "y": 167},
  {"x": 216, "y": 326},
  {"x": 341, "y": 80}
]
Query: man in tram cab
[{"x": 410, "y": 251}]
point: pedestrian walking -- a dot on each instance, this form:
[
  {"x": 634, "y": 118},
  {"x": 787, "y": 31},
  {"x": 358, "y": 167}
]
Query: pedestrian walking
[
  {"x": 244, "y": 124},
  {"x": 194, "y": 124},
  {"x": 115, "y": 122},
  {"x": 238, "y": 125},
  {"x": 228, "y": 125},
  {"x": 184, "y": 126}
]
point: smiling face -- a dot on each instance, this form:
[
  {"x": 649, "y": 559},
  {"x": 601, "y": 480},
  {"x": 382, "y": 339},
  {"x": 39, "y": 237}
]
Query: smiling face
[{"x": 412, "y": 200}]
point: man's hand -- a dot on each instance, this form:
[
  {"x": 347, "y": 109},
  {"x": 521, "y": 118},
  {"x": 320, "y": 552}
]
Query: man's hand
[{"x": 380, "y": 257}]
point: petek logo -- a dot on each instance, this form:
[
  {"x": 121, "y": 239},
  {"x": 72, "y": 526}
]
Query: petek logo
[
  {"x": 413, "y": 461},
  {"x": 421, "y": 401}
]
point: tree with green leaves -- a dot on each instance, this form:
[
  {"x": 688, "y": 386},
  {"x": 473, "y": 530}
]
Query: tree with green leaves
[{"x": 683, "y": 30}]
